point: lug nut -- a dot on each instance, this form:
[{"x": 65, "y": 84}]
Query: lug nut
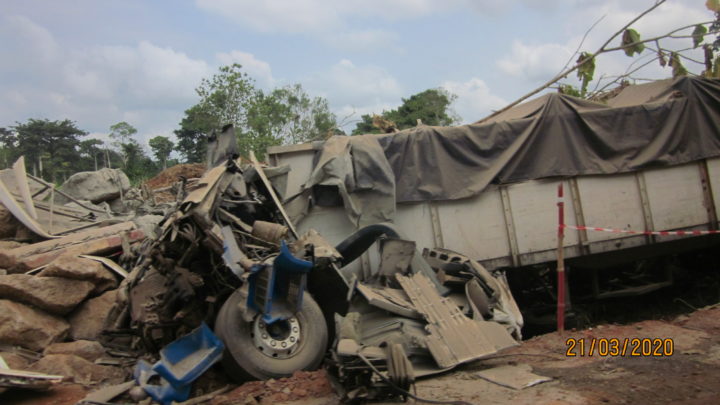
[
  {"x": 292, "y": 339},
  {"x": 284, "y": 344},
  {"x": 264, "y": 336},
  {"x": 273, "y": 343}
]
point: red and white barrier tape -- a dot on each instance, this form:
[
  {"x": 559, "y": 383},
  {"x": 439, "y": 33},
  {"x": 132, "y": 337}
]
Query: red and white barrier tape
[{"x": 663, "y": 233}]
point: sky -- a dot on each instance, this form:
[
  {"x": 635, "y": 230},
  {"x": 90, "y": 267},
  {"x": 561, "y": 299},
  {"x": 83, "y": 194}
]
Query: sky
[{"x": 100, "y": 62}]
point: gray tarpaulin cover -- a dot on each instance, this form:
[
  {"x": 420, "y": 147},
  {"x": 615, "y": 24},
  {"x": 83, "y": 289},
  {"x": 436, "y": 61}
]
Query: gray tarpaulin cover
[{"x": 657, "y": 124}]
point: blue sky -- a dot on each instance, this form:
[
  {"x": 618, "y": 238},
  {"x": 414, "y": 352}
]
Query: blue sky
[{"x": 100, "y": 62}]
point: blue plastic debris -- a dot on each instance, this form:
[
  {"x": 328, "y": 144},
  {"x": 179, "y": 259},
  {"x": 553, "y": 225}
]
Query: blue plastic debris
[
  {"x": 187, "y": 358},
  {"x": 181, "y": 362},
  {"x": 163, "y": 393},
  {"x": 276, "y": 291}
]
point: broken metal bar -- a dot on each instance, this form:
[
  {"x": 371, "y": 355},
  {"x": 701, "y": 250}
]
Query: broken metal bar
[{"x": 42, "y": 190}]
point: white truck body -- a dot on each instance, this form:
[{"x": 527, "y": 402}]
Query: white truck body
[{"x": 516, "y": 225}]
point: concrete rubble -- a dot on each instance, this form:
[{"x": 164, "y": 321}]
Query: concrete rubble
[{"x": 94, "y": 292}]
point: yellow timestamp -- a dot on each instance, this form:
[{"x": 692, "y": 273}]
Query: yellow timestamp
[{"x": 615, "y": 347}]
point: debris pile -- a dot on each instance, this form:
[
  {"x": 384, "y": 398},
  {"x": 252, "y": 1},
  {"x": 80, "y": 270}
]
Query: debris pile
[
  {"x": 301, "y": 385},
  {"x": 225, "y": 276},
  {"x": 165, "y": 186}
]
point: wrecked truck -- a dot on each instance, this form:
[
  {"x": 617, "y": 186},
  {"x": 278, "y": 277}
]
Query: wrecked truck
[
  {"x": 281, "y": 301},
  {"x": 640, "y": 173}
]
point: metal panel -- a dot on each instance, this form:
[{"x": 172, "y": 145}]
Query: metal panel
[
  {"x": 676, "y": 197},
  {"x": 611, "y": 202},
  {"x": 475, "y": 226},
  {"x": 301, "y": 165},
  {"x": 534, "y": 208},
  {"x": 713, "y": 166},
  {"x": 414, "y": 221}
]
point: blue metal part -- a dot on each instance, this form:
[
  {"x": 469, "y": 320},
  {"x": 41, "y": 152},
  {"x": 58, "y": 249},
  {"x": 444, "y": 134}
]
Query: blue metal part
[
  {"x": 276, "y": 291},
  {"x": 181, "y": 362}
]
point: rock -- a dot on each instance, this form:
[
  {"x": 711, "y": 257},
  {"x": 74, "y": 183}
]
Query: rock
[
  {"x": 87, "y": 349},
  {"x": 81, "y": 370},
  {"x": 9, "y": 244},
  {"x": 28, "y": 327},
  {"x": 8, "y": 223},
  {"x": 15, "y": 361},
  {"x": 88, "y": 320},
  {"x": 148, "y": 224},
  {"x": 78, "y": 268},
  {"x": 53, "y": 294},
  {"x": 102, "y": 185}
]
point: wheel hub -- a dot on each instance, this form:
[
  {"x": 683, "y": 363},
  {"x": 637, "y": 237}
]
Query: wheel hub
[{"x": 278, "y": 340}]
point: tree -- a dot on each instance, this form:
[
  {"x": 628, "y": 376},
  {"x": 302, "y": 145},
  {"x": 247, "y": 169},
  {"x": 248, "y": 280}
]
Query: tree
[
  {"x": 161, "y": 146},
  {"x": 91, "y": 149},
  {"x": 7, "y": 147},
  {"x": 284, "y": 115},
  {"x": 226, "y": 96},
  {"x": 122, "y": 134},
  {"x": 306, "y": 118},
  {"x": 431, "y": 107},
  {"x": 197, "y": 123},
  {"x": 138, "y": 166},
  {"x": 49, "y": 147}
]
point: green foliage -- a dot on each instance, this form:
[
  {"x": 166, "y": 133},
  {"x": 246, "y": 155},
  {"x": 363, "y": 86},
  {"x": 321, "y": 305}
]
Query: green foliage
[
  {"x": 161, "y": 146},
  {"x": 138, "y": 166},
  {"x": 7, "y": 145},
  {"x": 631, "y": 42},
  {"x": 122, "y": 132},
  {"x": 570, "y": 90},
  {"x": 431, "y": 107},
  {"x": 677, "y": 67},
  {"x": 50, "y": 147},
  {"x": 226, "y": 96},
  {"x": 698, "y": 35},
  {"x": 586, "y": 71}
]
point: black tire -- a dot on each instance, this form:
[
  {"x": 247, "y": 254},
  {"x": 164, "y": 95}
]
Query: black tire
[{"x": 244, "y": 360}]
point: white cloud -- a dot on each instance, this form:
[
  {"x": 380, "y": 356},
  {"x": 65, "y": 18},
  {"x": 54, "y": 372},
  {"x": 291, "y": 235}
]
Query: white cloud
[
  {"x": 354, "y": 90},
  {"x": 474, "y": 99},
  {"x": 255, "y": 68},
  {"x": 534, "y": 62},
  {"x": 347, "y": 84},
  {"x": 145, "y": 84},
  {"x": 363, "y": 40},
  {"x": 313, "y": 16}
]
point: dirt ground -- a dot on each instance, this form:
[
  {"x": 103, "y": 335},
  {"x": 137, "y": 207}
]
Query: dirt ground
[{"x": 691, "y": 375}]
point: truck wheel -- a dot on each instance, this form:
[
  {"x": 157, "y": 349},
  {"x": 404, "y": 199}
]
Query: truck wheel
[{"x": 257, "y": 351}]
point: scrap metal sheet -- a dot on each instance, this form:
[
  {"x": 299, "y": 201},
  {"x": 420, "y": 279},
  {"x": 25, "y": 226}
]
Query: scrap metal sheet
[{"x": 454, "y": 338}]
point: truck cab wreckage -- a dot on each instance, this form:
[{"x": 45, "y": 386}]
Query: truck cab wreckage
[{"x": 281, "y": 302}]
